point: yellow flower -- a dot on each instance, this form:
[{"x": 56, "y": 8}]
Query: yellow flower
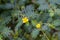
[
  {"x": 38, "y": 26},
  {"x": 25, "y": 20}
]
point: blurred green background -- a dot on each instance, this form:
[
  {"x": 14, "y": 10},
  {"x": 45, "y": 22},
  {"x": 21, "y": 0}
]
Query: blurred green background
[{"x": 29, "y": 19}]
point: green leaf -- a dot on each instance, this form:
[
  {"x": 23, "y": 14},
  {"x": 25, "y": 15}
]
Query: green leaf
[
  {"x": 2, "y": 27},
  {"x": 27, "y": 24},
  {"x": 58, "y": 35},
  {"x": 43, "y": 7},
  {"x": 40, "y": 1},
  {"x": 19, "y": 39},
  {"x": 6, "y": 32},
  {"x": 29, "y": 10},
  {"x": 54, "y": 1},
  {"x": 18, "y": 24},
  {"x": 34, "y": 22},
  {"x": 51, "y": 13},
  {"x": 45, "y": 27},
  {"x": 35, "y": 33},
  {"x": 1, "y": 37},
  {"x": 56, "y": 22},
  {"x": 57, "y": 12},
  {"x": 15, "y": 13},
  {"x": 6, "y": 6},
  {"x": 54, "y": 36}
]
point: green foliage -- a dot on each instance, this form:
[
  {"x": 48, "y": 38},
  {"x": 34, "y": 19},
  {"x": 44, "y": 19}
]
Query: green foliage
[
  {"x": 18, "y": 19},
  {"x": 35, "y": 33},
  {"x": 56, "y": 22}
]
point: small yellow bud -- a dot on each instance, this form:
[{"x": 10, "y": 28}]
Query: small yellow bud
[
  {"x": 25, "y": 20},
  {"x": 38, "y": 26}
]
